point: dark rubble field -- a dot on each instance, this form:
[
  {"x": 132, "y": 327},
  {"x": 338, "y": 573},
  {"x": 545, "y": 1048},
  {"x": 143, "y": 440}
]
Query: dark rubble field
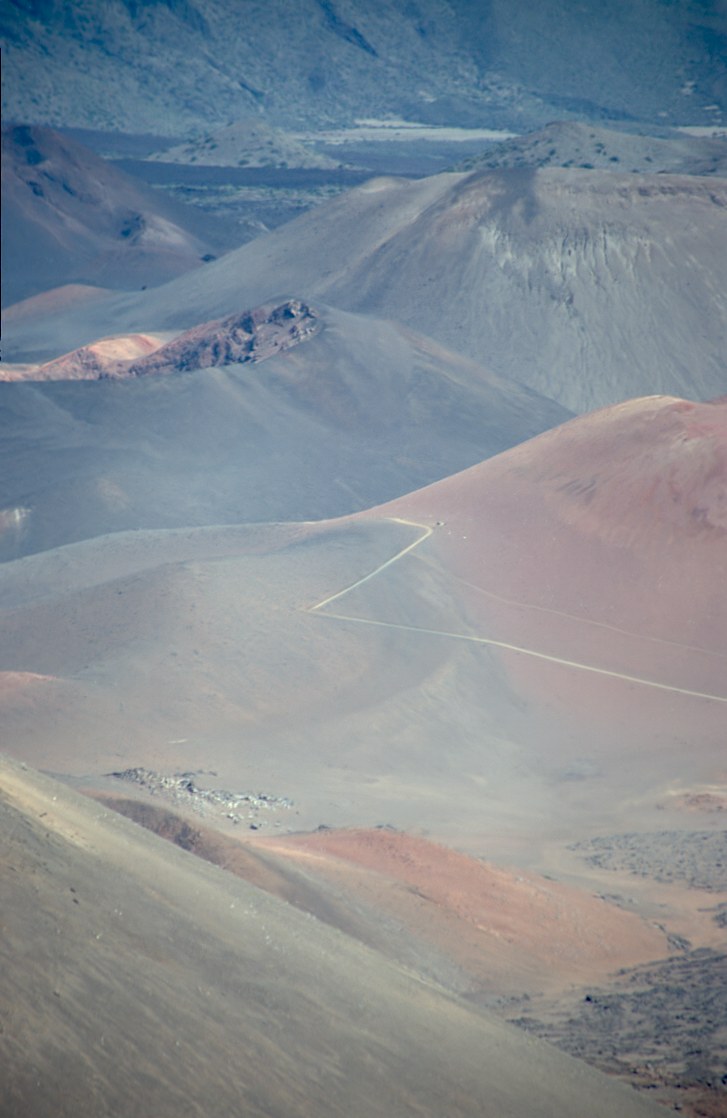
[
  {"x": 662, "y": 1027},
  {"x": 698, "y": 858}
]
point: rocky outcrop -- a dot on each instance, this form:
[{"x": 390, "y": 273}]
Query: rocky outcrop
[
  {"x": 251, "y": 336},
  {"x": 236, "y": 339}
]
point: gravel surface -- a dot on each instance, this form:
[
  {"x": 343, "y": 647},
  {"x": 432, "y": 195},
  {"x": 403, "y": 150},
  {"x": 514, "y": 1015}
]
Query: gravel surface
[
  {"x": 696, "y": 857},
  {"x": 662, "y": 1027}
]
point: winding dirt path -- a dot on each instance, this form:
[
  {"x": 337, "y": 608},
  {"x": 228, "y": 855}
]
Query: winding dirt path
[{"x": 575, "y": 664}]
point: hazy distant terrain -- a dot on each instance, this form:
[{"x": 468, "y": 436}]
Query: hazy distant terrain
[
  {"x": 363, "y": 542},
  {"x": 177, "y": 66},
  {"x": 70, "y": 217},
  {"x": 436, "y": 664},
  {"x": 248, "y": 143},
  {"x": 587, "y": 286},
  {"x": 576, "y": 144},
  {"x": 344, "y": 420},
  {"x": 439, "y": 675}
]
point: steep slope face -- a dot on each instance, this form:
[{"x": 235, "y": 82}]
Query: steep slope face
[
  {"x": 324, "y": 413},
  {"x": 590, "y": 287},
  {"x": 593, "y": 59},
  {"x": 324, "y": 240},
  {"x": 172, "y": 66},
  {"x": 69, "y": 217},
  {"x": 587, "y": 286},
  {"x": 477, "y": 929},
  {"x": 109, "y": 993}
]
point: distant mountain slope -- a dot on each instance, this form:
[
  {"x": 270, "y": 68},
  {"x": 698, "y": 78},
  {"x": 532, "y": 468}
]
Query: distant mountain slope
[
  {"x": 530, "y": 651},
  {"x": 170, "y": 66},
  {"x": 327, "y": 240},
  {"x": 70, "y": 217},
  {"x": 112, "y": 1005},
  {"x": 574, "y": 144},
  {"x": 607, "y": 499},
  {"x": 588, "y": 286},
  {"x": 250, "y": 142},
  {"x": 595, "y": 557},
  {"x": 357, "y": 412}
]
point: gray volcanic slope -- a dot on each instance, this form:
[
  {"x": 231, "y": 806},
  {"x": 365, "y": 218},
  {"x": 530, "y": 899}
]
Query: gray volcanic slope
[
  {"x": 138, "y": 980},
  {"x": 183, "y": 64},
  {"x": 361, "y": 412},
  {"x": 70, "y": 217},
  {"x": 588, "y": 286},
  {"x": 533, "y": 646}
]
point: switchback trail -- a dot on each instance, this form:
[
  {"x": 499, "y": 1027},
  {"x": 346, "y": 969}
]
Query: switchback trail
[
  {"x": 575, "y": 664},
  {"x": 426, "y": 533}
]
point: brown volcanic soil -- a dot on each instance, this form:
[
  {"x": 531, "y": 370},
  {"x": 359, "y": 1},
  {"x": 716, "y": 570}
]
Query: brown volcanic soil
[
  {"x": 515, "y": 942},
  {"x": 93, "y": 361},
  {"x": 346, "y": 664},
  {"x": 136, "y": 979},
  {"x": 342, "y": 664},
  {"x": 613, "y": 501},
  {"x": 602, "y": 543},
  {"x": 361, "y": 413},
  {"x": 510, "y": 931}
]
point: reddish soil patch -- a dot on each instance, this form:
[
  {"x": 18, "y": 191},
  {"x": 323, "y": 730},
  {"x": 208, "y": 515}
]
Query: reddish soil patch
[
  {"x": 603, "y": 543},
  {"x": 101, "y": 358},
  {"x": 14, "y": 684},
  {"x": 504, "y": 928},
  {"x": 618, "y": 518}
]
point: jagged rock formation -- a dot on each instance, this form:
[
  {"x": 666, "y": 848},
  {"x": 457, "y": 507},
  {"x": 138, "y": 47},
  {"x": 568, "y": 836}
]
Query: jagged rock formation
[{"x": 235, "y": 340}]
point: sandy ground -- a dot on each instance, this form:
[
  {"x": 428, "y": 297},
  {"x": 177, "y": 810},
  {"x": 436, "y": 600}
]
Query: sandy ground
[
  {"x": 351, "y": 668},
  {"x": 561, "y": 961},
  {"x": 110, "y": 1006}
]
